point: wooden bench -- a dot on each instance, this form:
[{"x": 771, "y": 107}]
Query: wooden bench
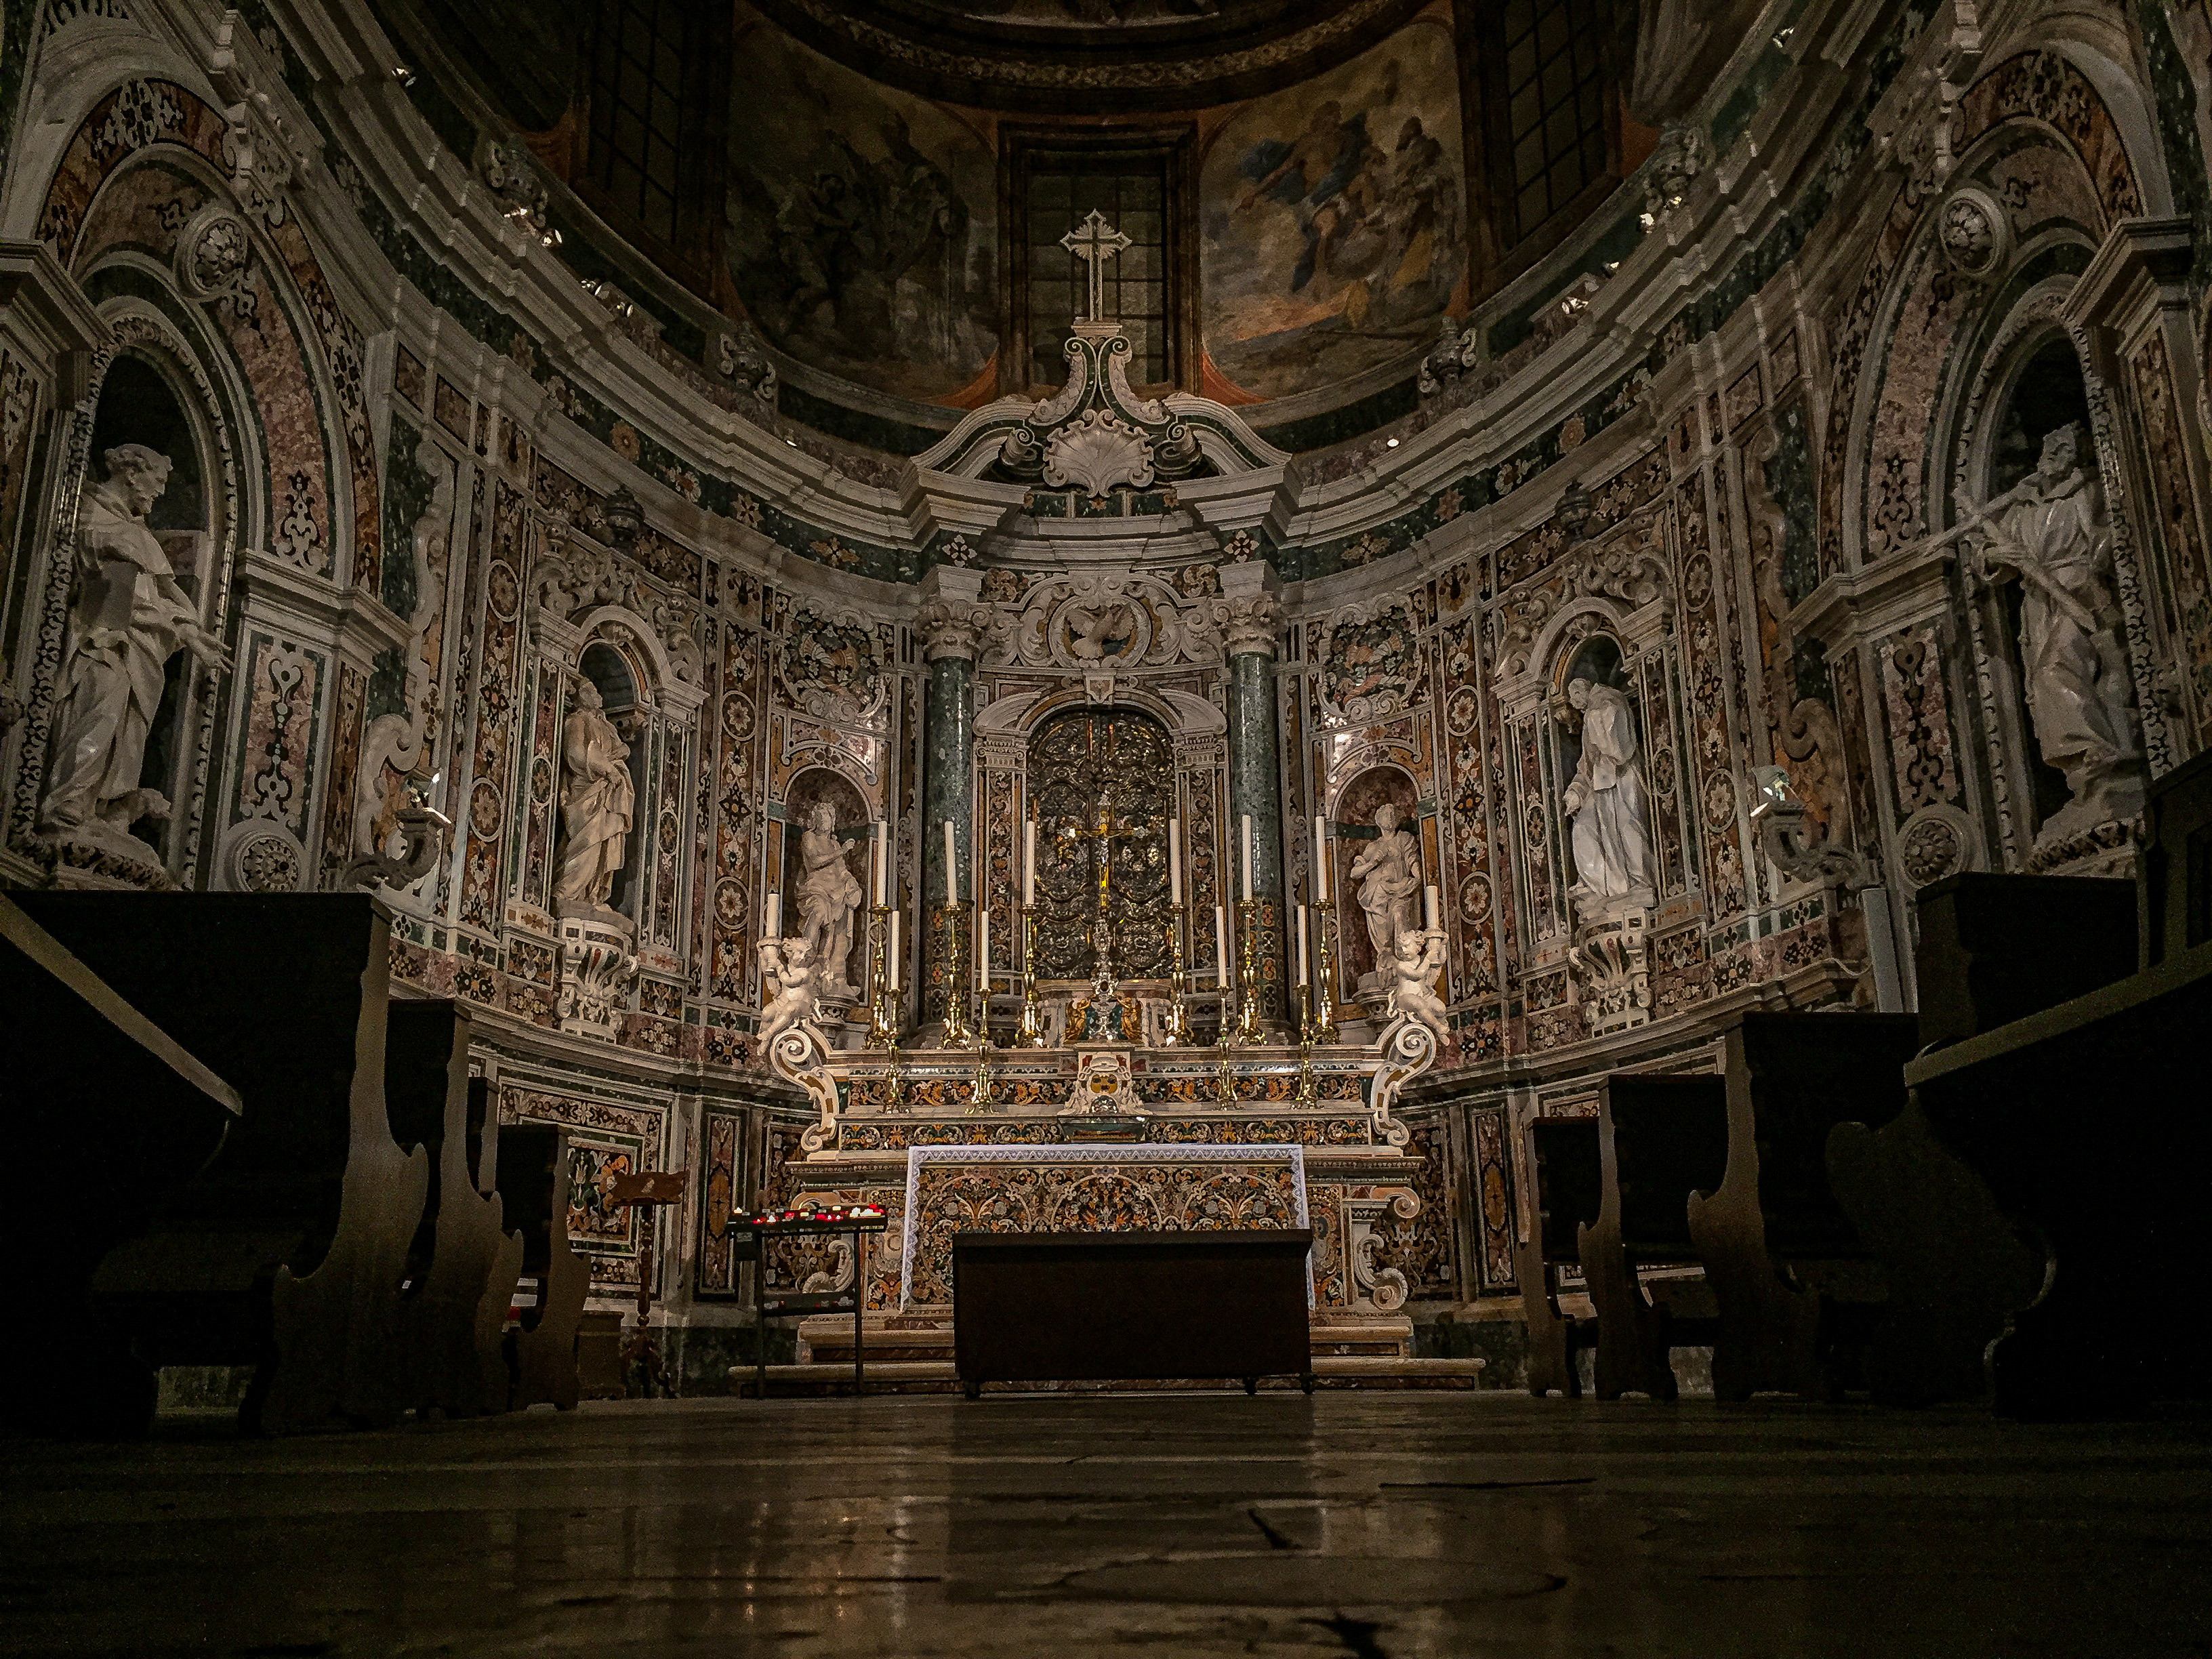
[
  {"x": 2087, "y": 1123},
  {"x": 2173, "y": 868},
  {"x": 533, "y": 1181},
  {"x": 1099, "y": 1306},
  {"x": 111, "y": 1115},
  {"x": 1794, "y": 1282},
  {"x": 1992, "y": 950},
  {"x": 287, "y": 1252},
  {"x": 462, "y": 1265},
  {"x": 1568, "y": 1176},
  {"x": 1660, "y": 1139}
]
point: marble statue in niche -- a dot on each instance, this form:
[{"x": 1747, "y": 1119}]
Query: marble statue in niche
[
  {"x": 1606, "y": 799},
  {"x": 828, "y": 894},
  {"x": 1387, "y": 877},
  {"x": 130, "y": 618},
  {"x": 597, "y": 801},
  {"x": 2050, "y": 533},
  {"x": 1416, "y": 958}
]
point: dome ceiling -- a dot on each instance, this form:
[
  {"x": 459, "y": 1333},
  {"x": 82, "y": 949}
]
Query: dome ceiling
[{"x": 1112, "y": 55}]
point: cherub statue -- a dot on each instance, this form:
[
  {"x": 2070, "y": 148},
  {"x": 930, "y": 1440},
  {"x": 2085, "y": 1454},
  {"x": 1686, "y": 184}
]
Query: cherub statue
[
  {"x": 1413, "y": 970},
  {"x": 790, "y": 963}
]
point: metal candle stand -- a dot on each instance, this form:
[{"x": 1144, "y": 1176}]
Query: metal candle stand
[
  {"x": 883, "y": 1008},
  {"x": 1324, "y": 979},
  {"x": 1176, "y": 1033},
  {"x": 1032, "y": 1034},
  {"x": 955, "y": 920},
  {"x": 1249, "y": 1029}
]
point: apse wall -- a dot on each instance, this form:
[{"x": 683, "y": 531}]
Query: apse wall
[{"x": 432, "y": 473}]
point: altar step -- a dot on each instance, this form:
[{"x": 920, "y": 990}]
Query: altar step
[
  {"x": 827, "y": 1339},
  {"x": 937, "y": 1376}
]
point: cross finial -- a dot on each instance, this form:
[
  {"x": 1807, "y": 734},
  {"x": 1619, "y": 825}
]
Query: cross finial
[{"x": 1094, "y": 241}]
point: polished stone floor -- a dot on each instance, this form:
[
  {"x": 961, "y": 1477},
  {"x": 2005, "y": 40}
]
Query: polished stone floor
[{"x": 1359, "y": 1524}]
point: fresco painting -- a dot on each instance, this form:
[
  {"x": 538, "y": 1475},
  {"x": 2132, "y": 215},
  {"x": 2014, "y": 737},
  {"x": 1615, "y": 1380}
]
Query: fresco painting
[
  {"x": 1334, "y": 230},
  {"x": 862, "y": 232}
]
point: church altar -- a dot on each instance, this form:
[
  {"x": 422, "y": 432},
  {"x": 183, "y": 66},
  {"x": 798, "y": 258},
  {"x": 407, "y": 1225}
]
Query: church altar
[{"x": 1104, "y": 1136}]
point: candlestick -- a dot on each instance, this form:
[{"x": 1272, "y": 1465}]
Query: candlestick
[
  {"x": 1028, "y": 863},
  {"x": 1176, "y": 1032},
  {"x": 1032, "y": 1034},
  {"x": 982, "y": 1088},
  {"x": 1175, "y": 862},
  {"x": 1324, "y": 921},
  {"x": 1429, "y": 902},
  {"x": 883, "y": 1010},
  {"x": 954, "y": 920},
  {"x": 1303, "y": 981},
  {"x": 1248, "y": 1001},
  {"x": 952, "y": 872},
  {"x": 773, "y": 929},
  {"x": 1248, "y": 892}
]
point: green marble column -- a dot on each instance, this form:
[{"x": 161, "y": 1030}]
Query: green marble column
[
  {"x": 1255, "y": 784},
  {"x": 952, "y": 634}
]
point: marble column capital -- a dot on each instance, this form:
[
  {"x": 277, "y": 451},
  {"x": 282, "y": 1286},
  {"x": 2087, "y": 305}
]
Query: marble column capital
[
  {"x": 1249, "y": 625},
  {"x": 953, "y": 629}
]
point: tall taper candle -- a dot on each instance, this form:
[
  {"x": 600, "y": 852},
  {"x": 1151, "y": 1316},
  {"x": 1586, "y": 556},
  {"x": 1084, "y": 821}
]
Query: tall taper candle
[
  {"x": 1302, "y": 945},
  {"x": 773, "y": 930},
  {"x": 883, "y": 863},
  {"x": 1248, "y": 892},
  {"x": 1028, "y": 862},
  {"x": 895, "y": 950},
  {"x": 983, "y": 951},
  {"x": 1221, "y": 943},
  {"x": 952, "y": 872},
  {"x": 1175, "y": 862},
  {"x": 1428, "y": 899},
  {"x": 1321, "y": 889}
]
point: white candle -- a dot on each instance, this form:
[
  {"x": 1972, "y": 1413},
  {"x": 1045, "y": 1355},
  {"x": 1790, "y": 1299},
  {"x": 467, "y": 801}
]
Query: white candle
[
  {"x": 983, "y": 952},
  {"x": 1429, "y": 898},
  {"x": 773, "y": 930},
  {"x": 895, "y": 950},
  {"x": 1221, "y": 943},
  {"x": 880, "y": 862},
  {"x": 952, "y": 872},
  {"x": 1321, "y": 892},
  {"x": 1175, "y": 862},
  {"x": 1248, "y": 892},
  {"x": 1302, "y": 945},
  {"x": 1029, "y": 862}
]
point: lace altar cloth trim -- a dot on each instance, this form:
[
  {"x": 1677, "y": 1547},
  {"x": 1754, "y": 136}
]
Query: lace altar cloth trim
[{"x": 1121, "y": 1189}]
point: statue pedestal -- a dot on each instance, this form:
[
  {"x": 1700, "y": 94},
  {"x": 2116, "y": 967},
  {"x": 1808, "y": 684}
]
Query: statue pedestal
[
  {"x": 1611, "y": 958},
  {"x": 599, "y": 966},
  {"x": 90, "y": 861}
]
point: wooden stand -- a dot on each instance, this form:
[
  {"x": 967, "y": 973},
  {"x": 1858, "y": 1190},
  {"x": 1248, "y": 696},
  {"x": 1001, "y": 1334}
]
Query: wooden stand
[{"x": 750, "y": 1237}]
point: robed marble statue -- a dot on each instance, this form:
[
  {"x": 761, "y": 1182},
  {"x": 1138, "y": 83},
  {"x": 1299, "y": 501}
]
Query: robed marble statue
[
  {"x": 1611, "y": 838},
  {"x": 829, "y": 893},
  {"x": 130, "y": 617},
  {"x": 597, "y": 800},
  {"x": 1386, "y": 878}
]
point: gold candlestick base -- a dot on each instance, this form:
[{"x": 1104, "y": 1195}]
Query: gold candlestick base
[
  {"x": 1176, "y": 1032},
  {"x": 1324, "y": 1022},
  {"x": 1224, "y": 1074},
  {"x": 954, "y": 919},
  {"x": 1032, "y": 1033},
  {"x": 1249, "y": 1031},
  {"x": 983, "y": 1087},
  {"x": 883, "y": 1002}
]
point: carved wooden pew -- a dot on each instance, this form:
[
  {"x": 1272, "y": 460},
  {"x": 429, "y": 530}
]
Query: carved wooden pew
[
  {"x": 1660, "y": 1139},
  {"x": 533, "y": 1189},
  {"x": 287, "y": 1252},
  {"x": 1992, "y": 949},
  {"x": 461, "y": 1267},
  {"x": 89, "y": 1083},
  {"x": 1789, "y": 1272},
  {"x": 2174, "y": 868},
  {"x": 1564, "y": 1161},
  {"x": 2087, "y": 1123}
]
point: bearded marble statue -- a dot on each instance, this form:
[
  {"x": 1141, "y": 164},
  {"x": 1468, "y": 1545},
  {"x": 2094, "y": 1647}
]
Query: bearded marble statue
[
  {"x": 597, "y": 800},
  {"x": 2049, "y": 532},
  {"x": 1386, "y": 878},
  {"x": 1612, "y": 818},
  {"x": 129, "y": 618},
  {"x": 828, "y": 894}
]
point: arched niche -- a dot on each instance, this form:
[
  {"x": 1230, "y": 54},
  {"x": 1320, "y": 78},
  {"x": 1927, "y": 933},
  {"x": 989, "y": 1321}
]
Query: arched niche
[
  {"x": 143, "y": 401},
  {"x": 615, "y": 677},
  {"x": 1362, "y": 797},
  {"x": 816, "y": 789}
]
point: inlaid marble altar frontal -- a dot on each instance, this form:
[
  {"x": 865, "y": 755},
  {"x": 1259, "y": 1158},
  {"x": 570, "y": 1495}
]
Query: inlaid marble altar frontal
[{"x": 1123, "y": 1188}]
